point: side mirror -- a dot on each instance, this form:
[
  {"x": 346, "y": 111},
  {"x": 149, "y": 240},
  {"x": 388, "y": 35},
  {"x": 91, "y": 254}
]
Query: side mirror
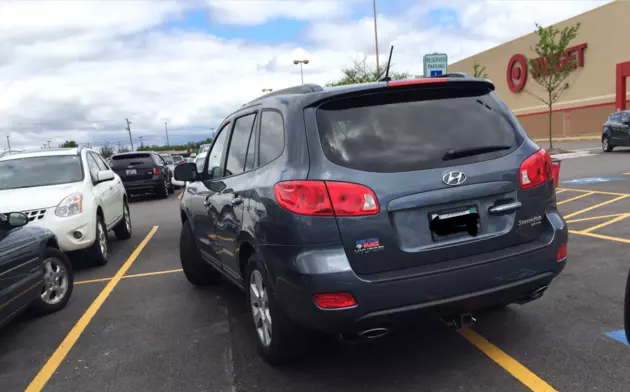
[
  {"x": 105, "y": 175},
  {"x": 16, "y": 219},
  {"x": 186, "y": 172}
]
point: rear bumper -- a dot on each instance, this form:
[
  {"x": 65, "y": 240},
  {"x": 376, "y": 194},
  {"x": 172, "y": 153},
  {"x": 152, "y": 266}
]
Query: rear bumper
[
  {"x": 300, "y": 272},
  {"x": 143, "y": 186}
]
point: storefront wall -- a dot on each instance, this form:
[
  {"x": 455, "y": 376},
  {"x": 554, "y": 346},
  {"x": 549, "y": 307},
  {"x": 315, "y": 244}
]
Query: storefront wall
[{"x": 588, "y": 101}]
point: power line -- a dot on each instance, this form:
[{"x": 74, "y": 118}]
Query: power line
[{"x": 129, "y": 130}]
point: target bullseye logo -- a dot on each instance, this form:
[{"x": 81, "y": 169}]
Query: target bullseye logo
[{"x": 516, "y": 73}]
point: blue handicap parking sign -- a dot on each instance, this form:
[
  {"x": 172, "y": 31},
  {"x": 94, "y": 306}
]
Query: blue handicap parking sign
[{"x": 437, "y": 72}]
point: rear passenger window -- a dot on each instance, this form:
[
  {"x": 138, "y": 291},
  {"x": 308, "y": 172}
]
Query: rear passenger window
[
  {"x": 271, "y": 137},
  {"x": 238, "y": 145},
  {"x": 419, "y": 129}
]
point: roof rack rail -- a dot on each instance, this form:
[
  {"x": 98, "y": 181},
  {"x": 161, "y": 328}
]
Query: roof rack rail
[
  {"x": 301, "y": 89},
  {"x": 452, "y": 75}
]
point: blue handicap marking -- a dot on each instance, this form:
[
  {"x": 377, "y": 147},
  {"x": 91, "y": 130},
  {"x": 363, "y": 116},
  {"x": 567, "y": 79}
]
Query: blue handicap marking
[
  {"x": 619, "y": 335},
  {"x": 592, "y": 180},
  {"x": 437, "y": 72}
]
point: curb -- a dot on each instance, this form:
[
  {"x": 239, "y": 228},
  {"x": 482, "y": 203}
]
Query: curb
[{"x": 569, "y": 139}]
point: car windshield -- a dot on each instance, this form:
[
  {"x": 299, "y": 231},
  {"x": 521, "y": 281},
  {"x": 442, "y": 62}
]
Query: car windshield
[
  {"x": 167, "y": 159},
  {"x": 40, "y": 171},
  {"x": 177, "y": 158}
]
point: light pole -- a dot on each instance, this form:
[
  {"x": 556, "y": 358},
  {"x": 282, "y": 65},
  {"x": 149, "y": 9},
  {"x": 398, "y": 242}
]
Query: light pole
[
  {"x": 376, "y": 36},
  {"x": 302, "y": 63}
]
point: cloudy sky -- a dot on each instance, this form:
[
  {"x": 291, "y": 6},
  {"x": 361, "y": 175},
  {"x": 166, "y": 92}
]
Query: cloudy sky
[{"x": 75, "y": 70}]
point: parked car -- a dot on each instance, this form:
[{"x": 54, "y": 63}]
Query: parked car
[
  {"x": 34, "y": 272},
  {"x": 616, "y": 131},
  {"x": 178, "y": 160},
  {"x": 144, "y": 172},
  {"x": 362, "y": 208},
  {"x": 72, "y": 192}
]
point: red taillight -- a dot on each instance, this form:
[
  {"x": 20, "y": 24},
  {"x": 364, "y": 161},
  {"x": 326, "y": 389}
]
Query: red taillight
[
  {"x": 562, "y": 252},
  {"x": 334, "y": 300},
  {"x": 555, "y": 166},
  {"x": 536, "y": 169},
  {"x": 410, "y": 82},
  {"x": 326, "y": 198},
  {"x": 156, "y": 170}
]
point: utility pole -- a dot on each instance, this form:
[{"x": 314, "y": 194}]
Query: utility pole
[
  {"x": 141, "y": 144},
  {"x": 9, "y": 142},
  {"x": 48, "y": 143},
  {"x": 166, "y": 129},
  {"x": 376, "y": 38},
  {"x": 129, "y": 130}
]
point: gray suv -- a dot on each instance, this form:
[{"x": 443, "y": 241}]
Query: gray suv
[
  {"x": 616, "y": 131},
  {"x": 355, "y": 210}
]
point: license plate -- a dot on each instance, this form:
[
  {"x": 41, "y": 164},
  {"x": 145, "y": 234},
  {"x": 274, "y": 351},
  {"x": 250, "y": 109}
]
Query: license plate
[{"x": 131, "y": 172}]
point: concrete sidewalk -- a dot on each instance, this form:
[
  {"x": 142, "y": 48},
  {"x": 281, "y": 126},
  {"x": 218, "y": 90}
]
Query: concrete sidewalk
[{"x": 570, "y": 138}]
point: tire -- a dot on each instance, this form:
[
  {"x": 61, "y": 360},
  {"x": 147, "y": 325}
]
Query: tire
[
  {"x": 97, "y": 255},
  {"x": 123, "y": 228},
  {"x": 287, "y": 341},
  {"x": 171, "y": 187},
  {"x": 162, "y": 190},
  {"x": 197, "y": 271},
  {"x": 606, "y": 146},
  {"x": 58, "y": 283}
]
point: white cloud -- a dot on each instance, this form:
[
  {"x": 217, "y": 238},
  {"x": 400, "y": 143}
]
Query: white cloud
[{"x": 76, "y": 70}]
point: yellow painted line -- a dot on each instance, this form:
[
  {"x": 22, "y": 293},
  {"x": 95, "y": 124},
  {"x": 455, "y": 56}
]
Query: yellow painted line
[
  {"x": 595, "y": 206},
  {"x": 180, "y": 195},
  {"x": 64, "y": 348},
  {"x": 560, "y": 190},
  {"x": 593, "y": 218},
  {"x": 508, "y": 363},
  {"x": 601, "y": 236},
  {"x": 604, "y": 224},
  {"x": 596, "y": 192},
  {"x": 130, "y": 276},
  {"x": 575, "y": 198}
]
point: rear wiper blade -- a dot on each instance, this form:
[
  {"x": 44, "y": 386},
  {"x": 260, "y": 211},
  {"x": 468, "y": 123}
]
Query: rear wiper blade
[{"x": 467, "y": 152}]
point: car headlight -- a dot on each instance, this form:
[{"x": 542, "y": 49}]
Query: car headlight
[{"x": 71, "y": 205}]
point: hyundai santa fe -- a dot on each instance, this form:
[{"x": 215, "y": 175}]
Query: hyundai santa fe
[{"x": 358, "y": 209}]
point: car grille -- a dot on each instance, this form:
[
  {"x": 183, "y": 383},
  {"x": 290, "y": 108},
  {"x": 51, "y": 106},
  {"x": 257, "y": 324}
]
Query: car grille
[{"x": 34, "y": 215}]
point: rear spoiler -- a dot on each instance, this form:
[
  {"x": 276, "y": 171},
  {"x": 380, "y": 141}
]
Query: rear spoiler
[{"x": 448, "y": 78}]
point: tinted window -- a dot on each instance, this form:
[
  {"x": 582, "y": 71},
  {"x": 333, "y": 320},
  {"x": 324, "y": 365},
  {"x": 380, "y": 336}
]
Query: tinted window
[
  {"x": 135, "y": 159},
  {"x": 624, "y": 117},
  {"x": 271, "y": 137},
  {"x": 99, "y": 162},
  {"x": 414, "y": 129},
  {"x": 238, "y": 145},
  {"x": 215, "y": 157},
  {"x": 251, "y": 150},
  {"x": 616, "y": 118},
  {"x": 40, "y": 171},
  {"x": 167, "y": 159},
  {"x": 92, "y": 166}
]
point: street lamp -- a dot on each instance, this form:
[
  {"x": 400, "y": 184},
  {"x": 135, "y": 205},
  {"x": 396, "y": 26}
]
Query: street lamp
[{"x": 302, "y": 63}]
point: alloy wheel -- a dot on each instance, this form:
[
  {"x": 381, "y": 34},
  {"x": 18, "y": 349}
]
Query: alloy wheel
[
  {"x": 56, "y": 281},
  {"x": 260, "y": 308},
  {"x": 102, "y": 240}
]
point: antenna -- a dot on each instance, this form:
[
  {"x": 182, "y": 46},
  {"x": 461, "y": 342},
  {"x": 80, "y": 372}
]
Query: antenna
[{"x": 386, "y": 78}]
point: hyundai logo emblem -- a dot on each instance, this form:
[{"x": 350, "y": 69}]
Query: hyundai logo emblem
[{"x": 454, "y": 178}]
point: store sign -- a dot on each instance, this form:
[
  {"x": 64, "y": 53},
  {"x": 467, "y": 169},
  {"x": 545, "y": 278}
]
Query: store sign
[{"x": 516, "y": 73}]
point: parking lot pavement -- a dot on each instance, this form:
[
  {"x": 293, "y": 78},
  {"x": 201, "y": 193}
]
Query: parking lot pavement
[{"x": 155, "y": 331}]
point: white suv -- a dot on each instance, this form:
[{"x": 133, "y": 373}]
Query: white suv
[{"x": 71, "y": 191}]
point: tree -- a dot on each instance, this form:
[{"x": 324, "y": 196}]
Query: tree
[
  {"x": 479, "y": 71},
  {"x": 107, "y": 151},
  {"x": 361, "y": 72},
  {"x": 553, "y": 65},
  {"x": 69, "y": 144},
  {"x": 122, "y": 149}
]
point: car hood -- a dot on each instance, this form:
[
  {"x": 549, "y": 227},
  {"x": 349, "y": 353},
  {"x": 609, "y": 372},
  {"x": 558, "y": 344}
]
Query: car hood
[{"x": 25, "y": 199}]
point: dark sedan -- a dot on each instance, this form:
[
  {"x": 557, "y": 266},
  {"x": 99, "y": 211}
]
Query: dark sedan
[{"x": 33, "y": 271}]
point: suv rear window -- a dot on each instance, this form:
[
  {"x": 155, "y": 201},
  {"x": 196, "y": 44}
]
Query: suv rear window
[
  {"x": 124, "y": 160},
  {"x": 405, "y": 130}
]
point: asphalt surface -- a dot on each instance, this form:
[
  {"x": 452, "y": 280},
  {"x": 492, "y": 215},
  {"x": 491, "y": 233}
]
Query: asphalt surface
[{"x": 156, "y": 332}]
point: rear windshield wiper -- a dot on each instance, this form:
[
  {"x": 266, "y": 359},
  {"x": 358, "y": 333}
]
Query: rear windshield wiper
[{"x": 467, "y": 152}]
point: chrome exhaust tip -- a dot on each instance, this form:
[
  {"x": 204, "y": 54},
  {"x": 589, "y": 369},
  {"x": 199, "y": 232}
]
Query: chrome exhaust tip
[{"x": 373, "y": 333}]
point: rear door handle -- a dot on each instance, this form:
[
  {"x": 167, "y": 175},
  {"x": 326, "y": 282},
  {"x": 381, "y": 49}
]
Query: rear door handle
[
  {"x": 503, "y": 208},
  {"x": 237, "y": 200}
]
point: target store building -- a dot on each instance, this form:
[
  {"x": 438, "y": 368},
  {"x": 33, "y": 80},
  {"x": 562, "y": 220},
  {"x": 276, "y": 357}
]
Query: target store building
[{"x": 596, "y": 87}]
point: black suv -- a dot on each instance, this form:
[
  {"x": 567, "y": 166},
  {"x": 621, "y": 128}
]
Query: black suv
[
  {"x": 143, "y": 172},
  {"x": 353, "y": 210},
  {"x": 616, "y": 131}
]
